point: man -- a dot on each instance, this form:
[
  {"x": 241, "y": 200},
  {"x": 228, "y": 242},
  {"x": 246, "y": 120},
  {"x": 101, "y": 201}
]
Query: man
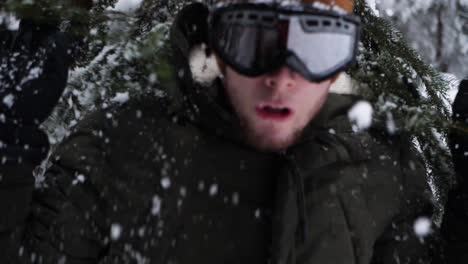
[
  {"x": 34, "y": 60},
  {"x": 261, "y": 167},
  {"x": 456, "y": 211},
  {"x": 34, "y": 67}
]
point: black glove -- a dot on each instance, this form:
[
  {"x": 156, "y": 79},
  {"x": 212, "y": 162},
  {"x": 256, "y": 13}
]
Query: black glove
[
  {"x": 34, "y": 64},
  {"x": 33, "y": 73}
]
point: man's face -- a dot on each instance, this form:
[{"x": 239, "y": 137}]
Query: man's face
[{"x": 274, "y": 108}]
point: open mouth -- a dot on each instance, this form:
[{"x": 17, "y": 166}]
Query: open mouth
[{"x": 274, "y": 112}]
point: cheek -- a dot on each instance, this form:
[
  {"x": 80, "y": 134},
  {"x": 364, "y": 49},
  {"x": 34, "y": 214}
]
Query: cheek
[
  {"x": 314, "y": 90},
  {"x": 241, "y": 89},
  {"x": 312, "y": 97},
  {"x": 239, "y": 93}
]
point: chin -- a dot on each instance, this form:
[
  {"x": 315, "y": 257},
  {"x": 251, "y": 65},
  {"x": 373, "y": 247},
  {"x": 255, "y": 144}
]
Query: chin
[
  {"x": 267, "y": 142},
  {"x": 270, "y": 136}
]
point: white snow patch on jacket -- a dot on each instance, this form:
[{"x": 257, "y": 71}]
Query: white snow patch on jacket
[
  {"x": 204, "y": 68},
  {"x": 343, "y": 85}
]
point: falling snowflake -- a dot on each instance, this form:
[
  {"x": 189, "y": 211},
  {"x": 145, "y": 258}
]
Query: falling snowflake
[
  {"x": 79, "y": 179},
  {"x": 166, "y": 182},
  {"x": 422, "y": 227},
  {"x": 156, "y": 208},
  {"x": 213, "y": 190},
  {"x": 116, "y": 231}
]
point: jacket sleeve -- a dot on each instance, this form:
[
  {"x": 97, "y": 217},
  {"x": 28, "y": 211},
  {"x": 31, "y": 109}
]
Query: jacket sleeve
[
  {"x": 85, "y": 209},
  {"x": 17, "y": 163},
  {"x": 412, "y": 236},
  {"x": 454, "y": 225}
]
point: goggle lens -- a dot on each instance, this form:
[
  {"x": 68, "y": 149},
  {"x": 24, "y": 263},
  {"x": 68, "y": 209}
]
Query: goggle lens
[
  {"x": 321, "y": 52},
  {"x": 247, "y": 46}
]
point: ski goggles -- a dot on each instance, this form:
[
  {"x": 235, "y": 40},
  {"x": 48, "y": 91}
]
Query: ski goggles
[{"x": 255, "y": 39}]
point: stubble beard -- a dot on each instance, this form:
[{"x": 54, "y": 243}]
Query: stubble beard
[{"x": 262, "y": 141}]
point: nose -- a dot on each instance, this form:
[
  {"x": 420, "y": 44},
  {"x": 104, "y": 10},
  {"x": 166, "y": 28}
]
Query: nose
[{"x": 283, "y": 79}]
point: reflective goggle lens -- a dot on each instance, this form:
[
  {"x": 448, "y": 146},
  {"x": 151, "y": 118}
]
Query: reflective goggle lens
[{"x": 322, "y": 52}]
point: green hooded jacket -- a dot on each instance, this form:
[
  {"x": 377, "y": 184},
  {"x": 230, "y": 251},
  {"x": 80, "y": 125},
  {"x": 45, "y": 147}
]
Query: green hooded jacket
[{"x": 153, "y": 181}]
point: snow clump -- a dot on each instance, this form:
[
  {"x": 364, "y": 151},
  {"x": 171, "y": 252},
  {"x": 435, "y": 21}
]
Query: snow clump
[
  {"x": 360, "y": 116},
  {"x": 373, "y": 6},
  {"x": 121, "y": 98},
  {"x": 204, "y": 68},
  {"x": 126, "y": 6},
  {"x": 11, "y": 21},
  {"x": 9, "y": 100}
]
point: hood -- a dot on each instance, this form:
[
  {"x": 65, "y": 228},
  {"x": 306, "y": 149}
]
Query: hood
[{"x": 204, "y": 102}]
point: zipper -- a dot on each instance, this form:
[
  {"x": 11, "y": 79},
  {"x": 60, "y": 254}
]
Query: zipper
[{"x": 298, "y": 180}]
